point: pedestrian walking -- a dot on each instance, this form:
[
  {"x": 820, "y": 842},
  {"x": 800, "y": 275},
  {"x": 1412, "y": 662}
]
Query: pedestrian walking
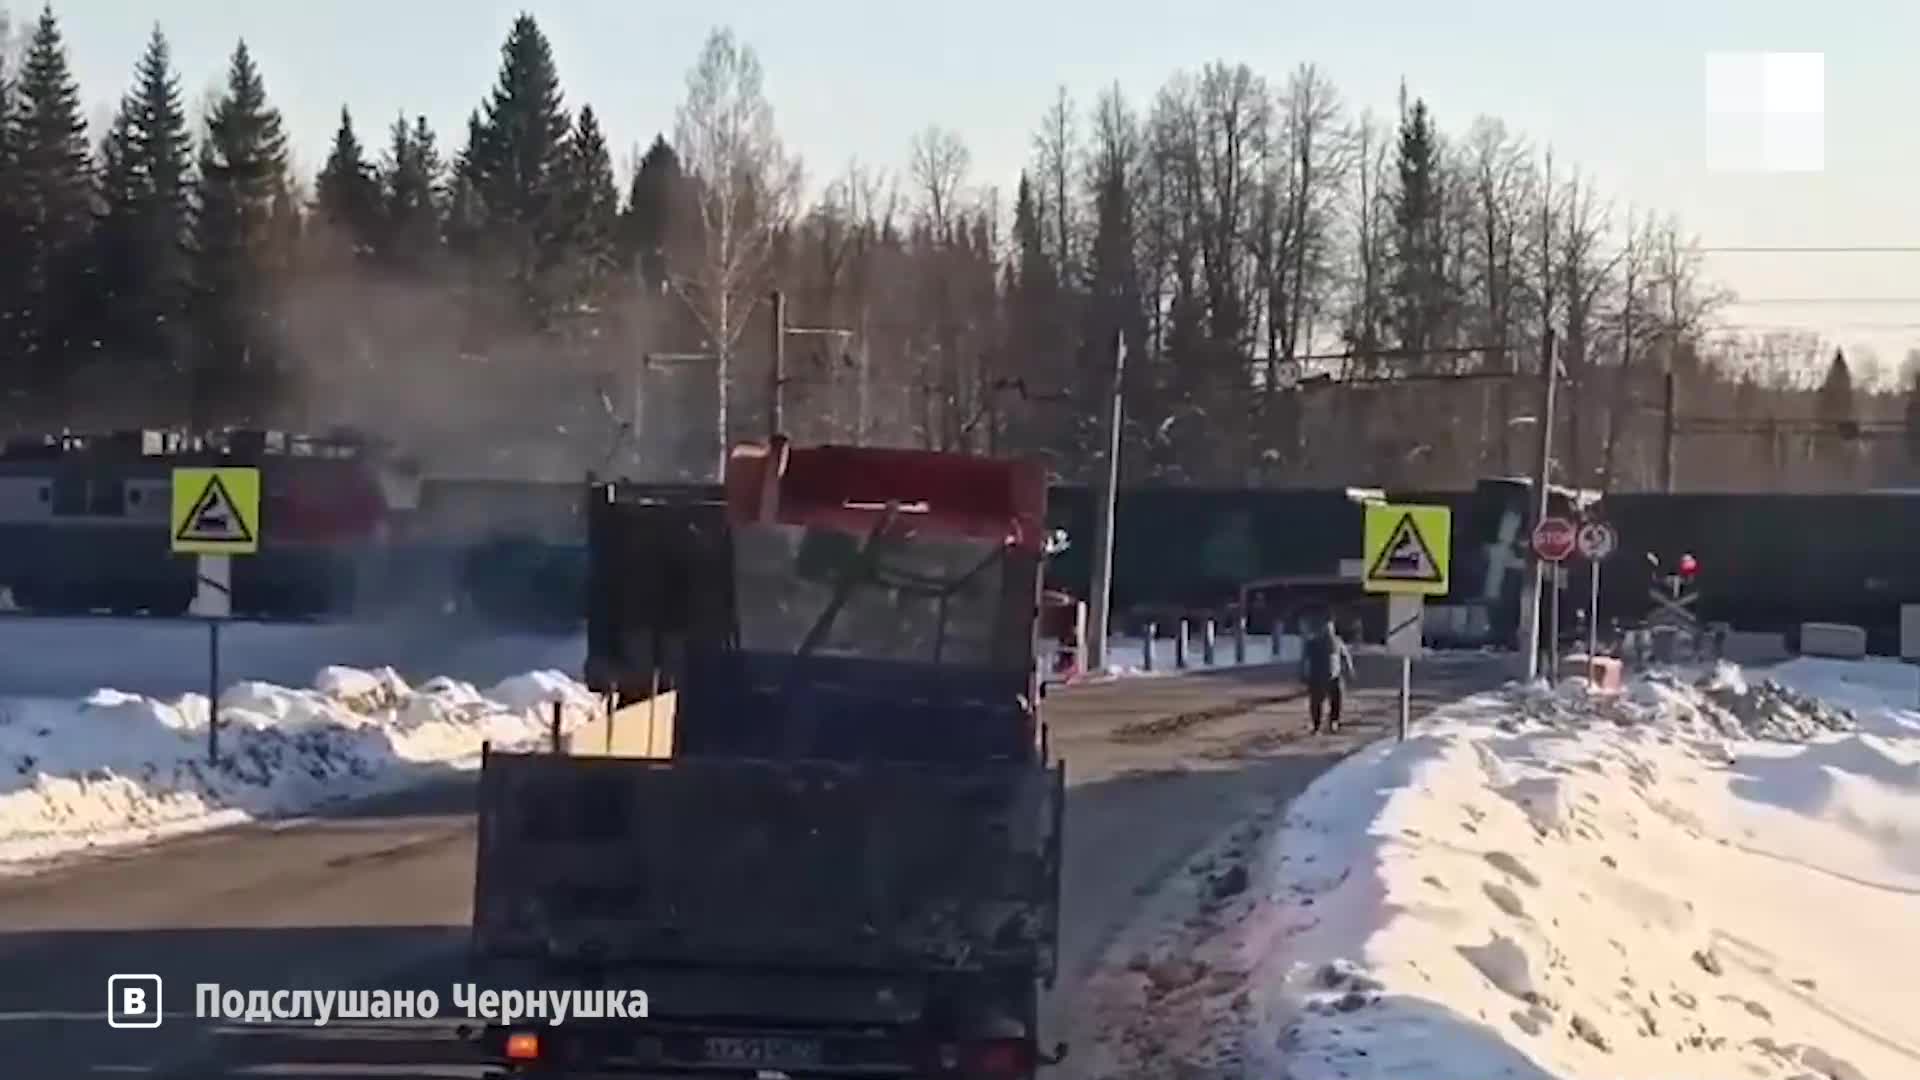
[{"x": 1325, "y": 663}]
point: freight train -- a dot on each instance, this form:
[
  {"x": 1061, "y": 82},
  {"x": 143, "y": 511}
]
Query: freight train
[
  {"x": 83, "y": 528},
  {"x": 1771, "y": 562}
]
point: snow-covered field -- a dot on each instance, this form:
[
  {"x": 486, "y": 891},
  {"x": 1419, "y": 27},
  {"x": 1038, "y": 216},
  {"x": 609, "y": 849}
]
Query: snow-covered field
[
  {"x": 117, "y": 768},
  {"x": 1709, "y": 877}
]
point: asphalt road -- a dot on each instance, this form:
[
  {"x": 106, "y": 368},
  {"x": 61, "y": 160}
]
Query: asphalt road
[{"x": 379, "y": 896}]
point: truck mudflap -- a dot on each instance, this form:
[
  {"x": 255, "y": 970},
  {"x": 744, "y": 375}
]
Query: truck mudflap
[{"x": 769, "y": 865}]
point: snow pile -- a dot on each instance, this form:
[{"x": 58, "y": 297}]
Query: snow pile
[
  {"x": 1712, "y": 876},
  {"x": 121, "y": 768}
]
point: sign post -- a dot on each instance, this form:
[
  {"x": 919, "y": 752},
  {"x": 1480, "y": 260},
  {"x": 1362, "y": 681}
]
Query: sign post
[
  {"x": 216, "y": 515},
  {"x": 1597, "y": 541},
  {"x": 1406, "y": 554},
  {"x": 1553, "y": 540}
]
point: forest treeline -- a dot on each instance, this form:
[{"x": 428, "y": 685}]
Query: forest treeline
[{"x": 1307, "y": 294}]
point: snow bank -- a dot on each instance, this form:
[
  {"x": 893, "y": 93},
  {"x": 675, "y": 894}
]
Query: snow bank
[
  {"x": 1711, "y": 876},
  {"x": 122, "y": 768}
]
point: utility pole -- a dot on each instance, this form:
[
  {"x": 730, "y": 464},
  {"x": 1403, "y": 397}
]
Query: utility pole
[
  {"x": 777, "y": 367},
  {"x": 1537, "y": 579},
  {"x": 777, "y": 360},
  {"x": 1101, "y": 600},
  {"x": 1669, "y": 427}
]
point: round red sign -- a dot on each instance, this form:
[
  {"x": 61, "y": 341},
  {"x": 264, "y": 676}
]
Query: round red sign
[{"x": 1554, "y": 538}]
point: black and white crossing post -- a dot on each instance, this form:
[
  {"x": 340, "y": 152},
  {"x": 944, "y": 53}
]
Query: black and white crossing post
[{"x": 216, "y": 515}]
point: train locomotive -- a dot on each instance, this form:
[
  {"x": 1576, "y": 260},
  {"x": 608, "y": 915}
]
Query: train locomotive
[{"x": 84, "y": 521}]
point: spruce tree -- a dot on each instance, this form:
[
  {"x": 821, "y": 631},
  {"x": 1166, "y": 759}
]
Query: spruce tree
[
  {"x": 645, "y": 223},
  {"x": 1417, "y": 211},
  {"x": 53, "y": 186},
  {"x": 144, "y": 231},
  {"x": 412, "y": 195},
  {"x": 515, "y": 168},
  {"x": 12, "y": 234},
  {"x": 592, "y": 207},
  {"x": 244, "y": 188},
  {"x": 347, "y": 191}
]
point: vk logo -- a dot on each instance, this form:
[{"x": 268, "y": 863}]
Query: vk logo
[{"x": 133, "y": 1001}]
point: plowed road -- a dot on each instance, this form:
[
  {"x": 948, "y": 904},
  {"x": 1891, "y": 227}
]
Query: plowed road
[{"x": 378, "y": 896}]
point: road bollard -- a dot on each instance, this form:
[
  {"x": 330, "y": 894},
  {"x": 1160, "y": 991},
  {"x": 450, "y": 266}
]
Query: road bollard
[
  {"x": 1208, "y": 652},
  {"x": 1240, "y": 638},
  {"x": 1180, "y": 645},
  {"x": 1146, "y": 652}
]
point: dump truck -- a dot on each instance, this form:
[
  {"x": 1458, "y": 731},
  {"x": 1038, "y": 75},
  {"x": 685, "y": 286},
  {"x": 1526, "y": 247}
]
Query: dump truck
[{"x": 845, "y": 860}]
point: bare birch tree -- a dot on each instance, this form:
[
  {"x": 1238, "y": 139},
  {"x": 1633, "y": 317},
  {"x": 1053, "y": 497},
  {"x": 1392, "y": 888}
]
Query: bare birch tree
[{"x": 747, "y": 190}]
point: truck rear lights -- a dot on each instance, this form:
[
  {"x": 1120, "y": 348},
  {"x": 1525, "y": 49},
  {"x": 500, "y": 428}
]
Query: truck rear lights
[
  {"x": 523, "y": 1046},
  {"x": 999, "y": 1057}
]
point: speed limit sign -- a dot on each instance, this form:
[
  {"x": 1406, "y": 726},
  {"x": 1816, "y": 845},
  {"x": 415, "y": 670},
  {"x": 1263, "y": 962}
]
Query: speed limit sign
[{"x": 1597, "y": 541}]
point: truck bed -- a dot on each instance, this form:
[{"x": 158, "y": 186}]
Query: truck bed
[{"x": 768, "y": 865}]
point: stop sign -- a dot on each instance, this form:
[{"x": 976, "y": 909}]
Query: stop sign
[{"x": 1554, "y": 538}]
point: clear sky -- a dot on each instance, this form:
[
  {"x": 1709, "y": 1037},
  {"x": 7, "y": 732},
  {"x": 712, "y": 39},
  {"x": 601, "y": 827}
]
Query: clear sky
[{"x": 1617, "y": 88}]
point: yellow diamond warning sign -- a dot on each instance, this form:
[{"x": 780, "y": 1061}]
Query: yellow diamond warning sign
[
  {"x": 1407, "y": 549},
  {"x": 216, "y": 511}
]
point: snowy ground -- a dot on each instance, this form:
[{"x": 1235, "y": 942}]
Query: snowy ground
[
  {"x": 1713, "y": 878},
  {"x": 117, "y": 768}
]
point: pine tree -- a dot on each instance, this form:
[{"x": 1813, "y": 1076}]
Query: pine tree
[
  {"x": 412, "y": 193},
  {"x": 347, "y": 191},
  {"x": 144, "y": 230},
  {"x": 53, "y": 185},
  {"x": 241, "y": 231},
  {"x": 649, "y": 217}
]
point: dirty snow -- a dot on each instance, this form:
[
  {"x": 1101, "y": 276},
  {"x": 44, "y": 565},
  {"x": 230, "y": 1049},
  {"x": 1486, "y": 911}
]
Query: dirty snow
[
  {"x": 1710, "y": 875},
  {"x": 120, "y": 768}
]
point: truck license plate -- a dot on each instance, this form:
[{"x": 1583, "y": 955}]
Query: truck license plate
[{"x": 763, "y": 1051}]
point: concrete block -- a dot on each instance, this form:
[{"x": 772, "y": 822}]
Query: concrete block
[
  {"x": 1604, "y": 672},
  {"x": 1910, "y": 632},
  {"x": 1752, "y": 647},
  {"x": 1836, "y": 640}
]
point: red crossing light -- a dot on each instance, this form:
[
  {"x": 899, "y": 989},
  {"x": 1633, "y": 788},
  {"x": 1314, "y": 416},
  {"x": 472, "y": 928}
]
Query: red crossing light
[{"x": 1689, "y": 566}]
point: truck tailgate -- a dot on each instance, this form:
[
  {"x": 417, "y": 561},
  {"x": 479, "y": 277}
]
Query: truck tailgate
[{"x": 768, "y": 864}]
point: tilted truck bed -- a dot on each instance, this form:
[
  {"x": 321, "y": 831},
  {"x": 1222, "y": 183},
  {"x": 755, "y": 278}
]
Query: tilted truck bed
[{"x": 768, "y": 865}]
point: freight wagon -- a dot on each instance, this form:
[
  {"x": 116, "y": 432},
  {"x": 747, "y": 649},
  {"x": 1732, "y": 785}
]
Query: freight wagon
[{"x": 1771, "y": 562}]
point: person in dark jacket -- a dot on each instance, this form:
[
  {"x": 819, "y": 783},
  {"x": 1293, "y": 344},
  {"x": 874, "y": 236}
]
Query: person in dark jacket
[{"x": 1324, "y": 663}]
